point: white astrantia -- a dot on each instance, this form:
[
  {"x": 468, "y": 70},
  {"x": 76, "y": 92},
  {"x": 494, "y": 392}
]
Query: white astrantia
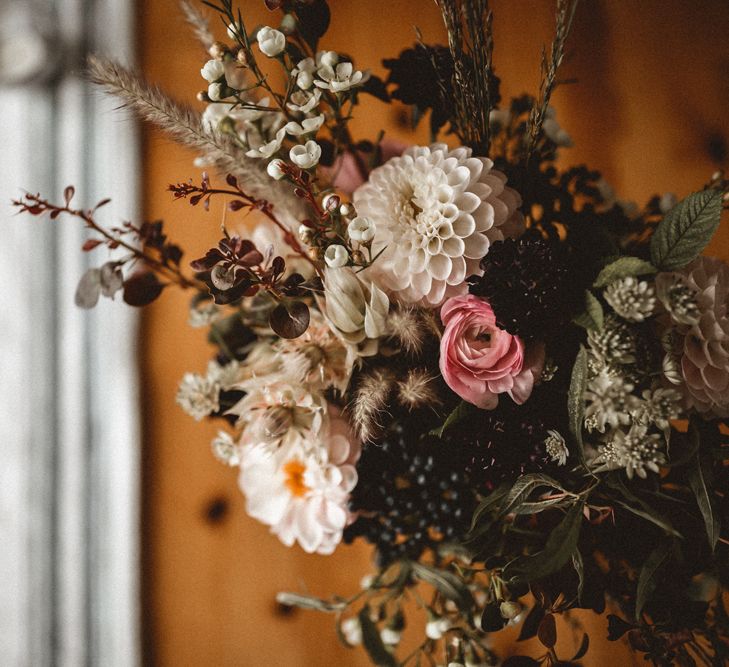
[
  {"x": 361, "y": 229},
  {"x": 436, "y": 212},
  {"x": 678, "y": 298},
  {"x": 609, "y": 401},
  {"x": 225, "y": 449},
  {"x": 357, "y": 310},
  {"x": 336, "y": 256},
  {"x": 198, "y": 395},
  {"x": 203, "y": 314},
  {"x": 659, "y": 405},
  {"x": 632, "y": 299},
  {"x": 212, "y": 70},
  {"x": 301, "y": 490},
  {"x": 306, "y": 155},
  {"x": 306, "y": 126},
  {"x": 556, "y": 447},
  {"x": 637, "y": 451},
  {"x": 340, "y": 77},
  {"x": 272, "y": 42}
]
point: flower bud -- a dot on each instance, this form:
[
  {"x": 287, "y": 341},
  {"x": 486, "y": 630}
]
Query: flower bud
[
  {"x": 276, "y": 169},
  {"x": 345, "y": 209},
  {"x": 217, "y": 50},
  {"x": 288, "y": 24},
  {"x": 234, "y": 30},
  {"x": 510, "y": 609},
  {"x": 305, "y": 233},
  {"x": 330, "y": 202},
  {"x": 272, "y": 42},
  {"x": 212, "y": 70},
  {"x": 336, "y": 256},
  {"x": 361, "y": 229},
  {"x": 215, "y": 91}
]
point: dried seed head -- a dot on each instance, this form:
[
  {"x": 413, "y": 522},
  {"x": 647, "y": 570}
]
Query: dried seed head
[
  {"x": 409, "y": 328},
  {"x": 370, "y": 401},
  {"x": 417, "y": 390}
]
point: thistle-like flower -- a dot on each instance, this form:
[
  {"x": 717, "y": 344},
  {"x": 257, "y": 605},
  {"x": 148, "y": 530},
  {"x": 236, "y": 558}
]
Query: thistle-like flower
[
  {"x": 632, "y": 299},
  {"x": 636, "y": 450},
  {"x": 609, "y": 401},
  {"x": 556, "y": 447}
]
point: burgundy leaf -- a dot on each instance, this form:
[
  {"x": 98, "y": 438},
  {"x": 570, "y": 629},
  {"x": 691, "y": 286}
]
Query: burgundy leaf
[
  {"x": 90, "y": 244},
  {"x": 252, "y": 258},
  {"x": 212, "y": 257},
  {"x": 236, "y": 205},
  {"x": 272, "y": 5},
  {"x": 194, "y": 201},
  {"x": 547, "y": 632},
  {"x": 278, "y": 266},
  {"x": 68, "y": 194},
  {"x": 290, "y": 320},
  {"x": 142, "y": 288},
  {"x": 231, "y": 180}
]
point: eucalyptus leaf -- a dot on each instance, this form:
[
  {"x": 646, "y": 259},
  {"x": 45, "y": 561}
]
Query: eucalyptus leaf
[
  {"x": 686, "y": 230},
  {"x": 576, "y": 401},
  {"x": 592, "y": 317},
  {"x": 623, "y": 267},
  {"x": 700, "y": 479},
  {"x": 650, "y": 575},
  {"x": 447, "y": 583},
  {"x": 560, "y": 546},
  {"x": 372, "y": 641}
]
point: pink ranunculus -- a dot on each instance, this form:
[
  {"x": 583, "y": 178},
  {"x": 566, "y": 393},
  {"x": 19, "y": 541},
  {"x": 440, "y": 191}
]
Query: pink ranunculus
[
  {"x": 348, "y": 175},
  {"x": 479, "y": 361}
]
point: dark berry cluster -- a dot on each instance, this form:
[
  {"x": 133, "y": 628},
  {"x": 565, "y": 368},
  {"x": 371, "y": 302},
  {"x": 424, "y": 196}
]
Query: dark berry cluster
[
  {"x": 525, "y": 281},
  {"x": 411, "y": 495}
]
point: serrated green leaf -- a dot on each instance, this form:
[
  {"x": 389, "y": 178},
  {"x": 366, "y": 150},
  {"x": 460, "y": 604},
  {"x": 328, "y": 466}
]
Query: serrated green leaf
[
  {"x": 461, "y": 411},
  {"x": 560, "y": 546},
  {"x": 593, "y": 316},
  {"x": 686, "y": 230},
  {"x": 700, "y": 481},
  {"x": 650, "y": 575},
  {"x": 448, "y": 584},
  {"x": 372, "y": 641},
  {"x": 576, "y": 401},
  {"x": 623, "y": 268}
]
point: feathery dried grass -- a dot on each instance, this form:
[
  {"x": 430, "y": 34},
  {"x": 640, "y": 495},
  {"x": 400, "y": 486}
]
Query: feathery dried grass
[
  {"x": 417, "y": 390},
  {"x": 198, "y": 22},
  {"x": 184, "y": 126},
  {"x": 369, "y": 403},
  {"x": 408, "y": 328}
]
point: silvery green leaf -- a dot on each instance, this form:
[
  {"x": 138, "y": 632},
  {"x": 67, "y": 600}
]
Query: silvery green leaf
[
  {"x": 686, "y": 230},
  {"x": 309, "y": 602},
  {"x": 372, "y": 641},
  {"x": 623, "y": 267},
  {"x": 448, "y": 584},
  {"x": 592, "y": 317},
  {"x": 112, "y": 279},
  {"x": 576, "y": 400},
  {"x": 650, "y": 574},
  {"x": 700, "y": 478},
  {"x": 523, "y": 487},
  {"x": 88, "y": 289},
  {"x": 461, "y": 411}
]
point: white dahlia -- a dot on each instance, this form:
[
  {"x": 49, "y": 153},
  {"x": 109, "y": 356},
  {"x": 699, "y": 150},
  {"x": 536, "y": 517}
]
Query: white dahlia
[{"x": 436, "y": 212}]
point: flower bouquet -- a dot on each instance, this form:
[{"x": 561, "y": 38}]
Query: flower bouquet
[{"x": 508, "y": 381}]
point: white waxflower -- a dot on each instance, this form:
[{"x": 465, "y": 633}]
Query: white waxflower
[
  {"x": 336, "y": 256},
  {"x": 198, "y": 395},
  {"x": 212, "y": 70},
  {"x": 340, "y": 78},
  {"x": 307, "y": 155},
  {"x": 357, "y": 311},
  {"x": 327, "y": 59},
  {"x": 271, "y": 41},
  {"x": 225, "y": 449},
  {"x": 352, "y": 631},
  {"x": 275, "y": 169},
  {"x": 288, "y": 24},
  {"x": 306, "y": 126},
  {"x": 304, "y": 101},
  {"x": 554, "y": 131},
  {"x": 269, "y": 148},
  {"x": 609, "y": 401},
  {"x": 556, "y": 447},
  {"x": 436, "y": 212},
  {"x": 215, "y": 92},
  {"x": 361, "y": 229},
  {"x": 636, "y": 450},
  {"x": 234, "y": 30},
  {"x": 632, "y": 299},
  {"x": 304, "y": 73},
  {"x": 436, "y": 627}
]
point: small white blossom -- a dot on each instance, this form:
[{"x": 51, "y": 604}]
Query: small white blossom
[
  {"x": 275, "y": 169},
  {"x": 304, "y": 73},
  {"x": 340, "y": 78},
  {"x": 225, "y": 449},
  {"x": 556, "y": 447},
  {"x": 390, "y": 636},
  {"x": 667, "y": 201},
  {"x": 203, "y": 314},
  {"x": 306, "y": 126},
  {"x": 637, "y": 451},
  {"x": 288, "y": 24},
  {"x": 234, "y": 30},
  {"x": 224, "y": 376},
  {"x": 436, "y": 627},
  {"x": 510, "y": 609},
  {"x": 270, "y": 148},
  {"x": 336, "y": 256},
  {"x": 215, "y": 92},
  {"x": 361, "y": 229},
  {"x": 212, "y": 70},
  {"x": 304, "y": 101},
  {"x": 352, "y": 631},
  {"x": 499, "y": 118},
  {"x": 327, "y": 58},
  {"x": 271, "y": 41},
  {"x": 307, "y": 155},
  {"x": 198, "y": 396},
  {"x": 554, "y": 131},
  {"x": 305, "y": 233},
  {"x": 632, "y": 299},
  {"x": 345, "y": 209}
]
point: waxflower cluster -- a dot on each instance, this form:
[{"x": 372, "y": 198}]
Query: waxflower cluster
[{"x": 421, "y": 346}]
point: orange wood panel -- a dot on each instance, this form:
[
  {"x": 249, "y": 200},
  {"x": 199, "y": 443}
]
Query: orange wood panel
[{"x": 650, "y": 109}]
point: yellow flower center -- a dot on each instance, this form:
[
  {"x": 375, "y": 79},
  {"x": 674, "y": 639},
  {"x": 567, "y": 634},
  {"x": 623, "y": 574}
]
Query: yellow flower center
[{"x": 294, "y": 471}]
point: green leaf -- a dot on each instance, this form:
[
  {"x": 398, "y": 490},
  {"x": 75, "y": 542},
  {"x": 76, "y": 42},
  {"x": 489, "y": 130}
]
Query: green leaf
[
  {"x": 593, "y": 316},
  {"x": 462, "y": 410},
  {"x": 579, "y": 566},
  {"x": 560, "y": 546},
  {"x": 448, "y": 584},
  {"x": 576, "y": 400},
  {"x": 700, "y": 480},
  {"x": 640, "y": 507},
  {"x": 490, "y": 502},
  {"x": 686, "y": 230},
  {"x": 623, "y": 268},
  {"x": 372, "y": 641},
  {"x": 523, "y": 487},
  {"x": 650, "y": 575}
]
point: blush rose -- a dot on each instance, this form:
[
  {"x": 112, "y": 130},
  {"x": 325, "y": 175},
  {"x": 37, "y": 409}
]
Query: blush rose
[{"x": 479, "y": 360}]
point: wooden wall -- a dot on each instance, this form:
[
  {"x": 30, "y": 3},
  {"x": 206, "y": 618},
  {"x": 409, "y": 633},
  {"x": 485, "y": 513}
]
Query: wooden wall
[{"x": 650, "y": 110}]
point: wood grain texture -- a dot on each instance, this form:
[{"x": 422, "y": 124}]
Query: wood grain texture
[{"x": 650, "y": 110}]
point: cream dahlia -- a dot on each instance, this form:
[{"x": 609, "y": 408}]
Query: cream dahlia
[
  {"x": 436, "y": 212},
  {"x": 701, "y": 340},
  {"x": 300, "y": 491}
]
